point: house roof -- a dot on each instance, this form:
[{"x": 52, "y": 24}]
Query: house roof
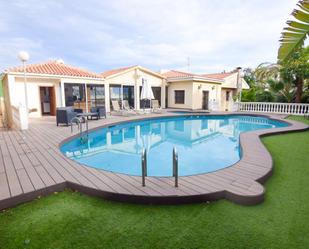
[
  {"x": 174, "y": 75},
  {"x": 55, "y": 68},
  {"x": 220, "y": 76},
  {"x": 115, "y": 71},
  {"x": 177, "y": 74}
]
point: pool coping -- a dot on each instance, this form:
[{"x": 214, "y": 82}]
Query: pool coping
[
  {"x": 256, "y": 162},
  {"x": 240, "y": 183}
]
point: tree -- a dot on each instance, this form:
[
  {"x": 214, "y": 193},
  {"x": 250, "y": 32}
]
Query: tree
[
  {"x": 295, "y": 70},
  {"x": 294, "y": 35}
]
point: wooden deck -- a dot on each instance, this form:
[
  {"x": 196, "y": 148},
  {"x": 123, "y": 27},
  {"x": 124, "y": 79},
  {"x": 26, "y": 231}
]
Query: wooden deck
[{"x": 31, "y": 165}]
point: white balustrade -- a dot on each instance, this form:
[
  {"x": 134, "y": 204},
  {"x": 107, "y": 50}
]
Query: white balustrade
[{"x": 284, "y": 108}]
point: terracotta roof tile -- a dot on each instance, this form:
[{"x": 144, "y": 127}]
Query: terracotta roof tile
[
  {"x": 178, "y": 74},
  {"x": 55, "y": 68},
  {"x": 219, "y": 76},
  {"x": 115, "y": 71}
]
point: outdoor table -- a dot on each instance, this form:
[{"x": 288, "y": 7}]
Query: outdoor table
[{"x": 88, "y": 115}]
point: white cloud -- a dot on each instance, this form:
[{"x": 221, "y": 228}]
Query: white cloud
[{"x": 98, "y": 35}]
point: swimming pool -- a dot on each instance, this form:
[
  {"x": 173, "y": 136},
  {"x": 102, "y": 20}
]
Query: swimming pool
[{"x": 204, "y": 144}]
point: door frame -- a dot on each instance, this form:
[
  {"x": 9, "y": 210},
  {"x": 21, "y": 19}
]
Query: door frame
[
  {"x": 52, "y": 100},
  {"x": 205, "y": 104}
]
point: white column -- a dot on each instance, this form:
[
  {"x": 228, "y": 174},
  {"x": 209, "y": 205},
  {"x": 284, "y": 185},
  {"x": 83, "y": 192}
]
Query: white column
[
  {"x": 86, "y": 97},
  {"x": 163, "y": 94},
  {"x": 107, "y": 97},
  {"x": 62, "y": 94},
  {"x": 136, "y": 89},
  {"x": 121, "y": 96}
]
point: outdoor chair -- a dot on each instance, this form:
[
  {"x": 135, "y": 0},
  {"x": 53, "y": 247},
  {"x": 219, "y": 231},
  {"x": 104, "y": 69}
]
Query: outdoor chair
[
  {"x": 126, "y": 105},
  {"x": 118, "y": 110},
  {"x": 64, "y": 115},
  {"x": 99, "y": 110},
  {"x": 128, "y": 108},
  {"x": 156, "y": 106}
]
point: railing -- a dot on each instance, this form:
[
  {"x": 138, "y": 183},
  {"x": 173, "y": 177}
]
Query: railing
[
  {"x": 284, "y": 108},
  {"x": 79, "y": 121},
  {"x": 175, "y": 166},
  {"x": 20, "y": 117},
  {"x": 144, "y": 167}
]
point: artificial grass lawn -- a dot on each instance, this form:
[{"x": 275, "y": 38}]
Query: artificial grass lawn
[{"x": 74, "y": 220}]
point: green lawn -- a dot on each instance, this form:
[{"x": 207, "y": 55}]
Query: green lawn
[{"x": 74, "y": 220}]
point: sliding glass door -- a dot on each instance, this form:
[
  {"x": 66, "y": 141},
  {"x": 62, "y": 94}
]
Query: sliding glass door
[
  {"x": 128, "y": 94},
  {"x": 156, "y": 94},
  {"x": 96, "y": 95},
  {"x": 75, "y": 95}
]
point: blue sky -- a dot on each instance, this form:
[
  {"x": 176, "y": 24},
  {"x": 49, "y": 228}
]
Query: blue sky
[{"x": 158, "y": 34}]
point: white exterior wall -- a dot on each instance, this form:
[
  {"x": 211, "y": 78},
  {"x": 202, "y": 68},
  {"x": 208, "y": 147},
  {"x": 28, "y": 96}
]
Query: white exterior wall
[
  {"x": 227, "y": 105},
  {"x": 17, "y": 93},
  {"x": 214, "y": 94},
  {"x": 187, "y": 87},
  {"x": 231, "y": 82},
  {"x": 134, "y": 78},
  {"x": 194, "y": 95}
]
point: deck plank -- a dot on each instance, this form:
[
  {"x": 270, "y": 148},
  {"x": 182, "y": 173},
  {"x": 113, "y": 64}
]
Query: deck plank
[{"x": 31, "y": 160}]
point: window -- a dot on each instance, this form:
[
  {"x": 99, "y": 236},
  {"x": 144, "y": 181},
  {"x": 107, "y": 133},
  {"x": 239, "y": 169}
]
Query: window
[
  {"x": 227, "y": 98},
  {"x": 74, "y": 94},
  {"x": 96, "y": 95},
  {"x": 179, "y": 97},
  {"x": 128, "y": 94}
]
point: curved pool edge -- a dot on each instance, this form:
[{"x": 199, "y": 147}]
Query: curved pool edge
[{"x": 240, "y": 183}]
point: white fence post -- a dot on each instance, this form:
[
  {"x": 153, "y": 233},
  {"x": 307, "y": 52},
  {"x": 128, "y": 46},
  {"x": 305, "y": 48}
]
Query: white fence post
[{"x": 283, "y": 108}]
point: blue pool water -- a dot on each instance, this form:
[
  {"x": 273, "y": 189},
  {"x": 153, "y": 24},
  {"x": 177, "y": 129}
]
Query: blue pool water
[{"x": 204, "y": 144}]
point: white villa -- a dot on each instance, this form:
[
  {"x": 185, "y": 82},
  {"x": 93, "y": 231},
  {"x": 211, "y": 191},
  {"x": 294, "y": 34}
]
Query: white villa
[{"x": 55, "y": 84}]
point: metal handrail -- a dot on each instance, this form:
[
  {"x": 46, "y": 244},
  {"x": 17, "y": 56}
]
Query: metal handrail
[
  {"x": 79, "y": 121},
  {"x": 144, "y": 167},
  {"x": 175, "y": 166}
]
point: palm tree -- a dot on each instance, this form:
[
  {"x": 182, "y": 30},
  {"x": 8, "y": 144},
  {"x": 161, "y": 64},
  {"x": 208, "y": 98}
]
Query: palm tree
[
  {"x": 267, "y": 70},
  {"x": 297, "y": 31}
]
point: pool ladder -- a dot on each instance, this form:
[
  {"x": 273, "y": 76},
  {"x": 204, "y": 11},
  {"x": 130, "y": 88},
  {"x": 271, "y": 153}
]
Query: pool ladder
[
  {"x": 80, "y": 121},
  {"x": 144, "y": 167}
]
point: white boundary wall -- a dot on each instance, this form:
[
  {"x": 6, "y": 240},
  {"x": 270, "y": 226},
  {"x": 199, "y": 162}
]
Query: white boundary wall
[{"x": 20, "y": 117}]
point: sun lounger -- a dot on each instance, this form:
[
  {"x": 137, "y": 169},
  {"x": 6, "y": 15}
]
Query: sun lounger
[
  {"x": 118, "y": 110},
  {"x": 156, "y": 108}
]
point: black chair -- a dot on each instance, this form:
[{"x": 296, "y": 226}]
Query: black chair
[
  {"x": 64, "y": 115},
  {"x": 100, "y": 110}
]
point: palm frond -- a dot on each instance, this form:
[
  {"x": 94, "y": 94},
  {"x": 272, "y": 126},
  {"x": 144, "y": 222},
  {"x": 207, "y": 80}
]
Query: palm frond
[
  {"x": 266, "y": 71},
  {"x": 297, "y": 31}
]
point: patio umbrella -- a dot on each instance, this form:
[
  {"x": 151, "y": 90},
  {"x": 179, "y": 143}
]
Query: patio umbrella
[{"x": 146, "y": 91}]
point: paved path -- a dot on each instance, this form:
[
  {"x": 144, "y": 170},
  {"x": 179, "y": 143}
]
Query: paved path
[{"x": 31, "y": 165}]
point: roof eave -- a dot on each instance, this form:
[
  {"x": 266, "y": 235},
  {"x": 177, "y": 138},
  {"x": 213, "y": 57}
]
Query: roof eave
[
  {"x": 53, "y": 76},
  {"x": 133, "y": 68},
  {"x": 209, "y": 80}
]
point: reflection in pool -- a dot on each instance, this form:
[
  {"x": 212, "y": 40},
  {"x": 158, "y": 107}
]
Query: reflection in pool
[{"x": 204, "y": 144}]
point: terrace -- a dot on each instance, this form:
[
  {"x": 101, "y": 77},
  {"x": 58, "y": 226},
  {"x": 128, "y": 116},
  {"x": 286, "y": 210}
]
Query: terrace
[{"x": 32, "y": 165}]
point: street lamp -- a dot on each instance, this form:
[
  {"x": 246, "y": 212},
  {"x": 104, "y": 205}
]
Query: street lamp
[{"x": 24, "y": 57}]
